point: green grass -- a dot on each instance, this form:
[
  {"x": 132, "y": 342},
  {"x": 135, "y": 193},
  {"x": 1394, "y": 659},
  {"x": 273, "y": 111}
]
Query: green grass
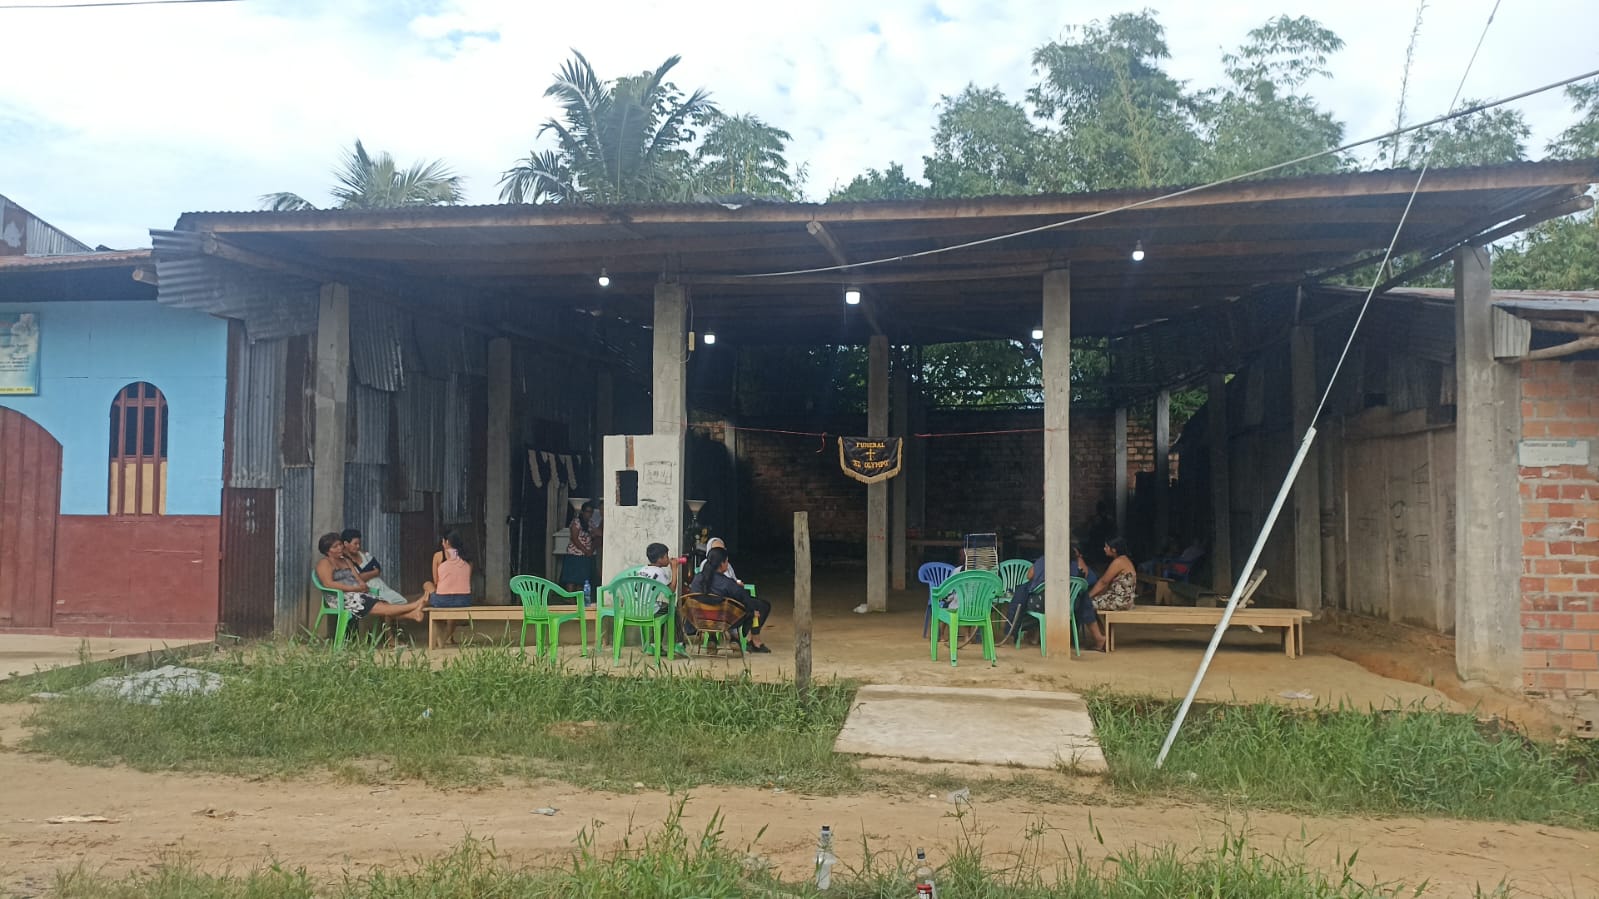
[
  {"x": 1413, "y": 760},
  {"x": 674, "y": 863},
  {"x": 366, "y": 715}
]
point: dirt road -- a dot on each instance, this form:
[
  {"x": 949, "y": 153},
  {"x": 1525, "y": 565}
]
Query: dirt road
[{"x": 328, "y": 828}]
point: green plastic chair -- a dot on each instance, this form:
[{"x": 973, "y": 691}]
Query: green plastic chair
[
  {"x": 1012, "y": 574},
  {"x": 603, "y": 609},
  {"x": 634, "y": 603},
  {"x": 1079, "y": 587},
  {"x": 975, "y": 592},
  {"x": 535, "y": 593},
  {"x": 338, "y": 610}
]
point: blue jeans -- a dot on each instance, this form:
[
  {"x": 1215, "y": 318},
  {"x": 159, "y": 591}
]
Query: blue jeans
[{"x": 450, "y": 600}]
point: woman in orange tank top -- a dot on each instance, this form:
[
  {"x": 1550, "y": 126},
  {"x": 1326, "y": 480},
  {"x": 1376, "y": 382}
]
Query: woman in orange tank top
[{"x": 452, "y": 578}]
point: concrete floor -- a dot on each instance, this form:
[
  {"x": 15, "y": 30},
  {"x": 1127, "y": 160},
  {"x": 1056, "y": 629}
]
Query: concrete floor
[{"x": 22, "y": 654}]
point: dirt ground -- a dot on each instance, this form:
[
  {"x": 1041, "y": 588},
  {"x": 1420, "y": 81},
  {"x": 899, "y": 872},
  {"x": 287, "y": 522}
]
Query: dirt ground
[{"x": 230, "y": 823}]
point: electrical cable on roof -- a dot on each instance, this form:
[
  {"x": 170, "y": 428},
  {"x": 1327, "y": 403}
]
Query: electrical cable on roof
[
  {"x": 1310, "y": 432},
  {"x": 108, "y": 3},
  {"x": 921, "y": 254}
]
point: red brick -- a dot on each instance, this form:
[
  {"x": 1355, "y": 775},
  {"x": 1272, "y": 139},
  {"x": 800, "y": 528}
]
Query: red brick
[
  {"x": 1586, "y": 428},
  {"x": 1534, "y": 661},
  {"x": 1534, "y": 548},
  {"x": 1579, "y": 409},
  {"x": 1534, "y": 429},
  {"x": 1579, "y": 603},
  {"x": 1542, "y": 603},
  {"x": 1532, "y": 621},
  {"x": 1585, "y": 370},
  {"x": 1545, "y": 566},
  {"x": 1579, "y": 491},
  {"x": 1562, "y": 548},
  {"x": 1532, "y": 585},
  {"x": 1584, "y": 661},
  {"x": 1562, "y": 510},
  {"x": 1528, "y": 409},
  {"x": 1551, "y": 680},
  {"x": 1573, "y": 566},
  {"x": 1544, "y": 491},
  {"x": 1563, "y": 622},
  {"x": 1569, "y": 642},
  {"x": 1534, "y": 640},
  {"x": 1588, "y": 585},
  {"x": 1586, "y": 622},
  {"x": 1526, "y": 490},
  {"x": 1559, "y": 584},
  {"x": 1534, "y": 512}
]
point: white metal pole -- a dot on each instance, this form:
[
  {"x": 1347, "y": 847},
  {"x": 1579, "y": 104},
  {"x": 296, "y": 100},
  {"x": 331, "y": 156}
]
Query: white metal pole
[{"x": 1238, "y": 591}]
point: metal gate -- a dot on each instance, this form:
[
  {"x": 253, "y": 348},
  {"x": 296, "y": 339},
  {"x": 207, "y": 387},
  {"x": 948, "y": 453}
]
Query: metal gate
[
  {"x": 30, "y": 500},
  {"x": 249, "y": 560}
]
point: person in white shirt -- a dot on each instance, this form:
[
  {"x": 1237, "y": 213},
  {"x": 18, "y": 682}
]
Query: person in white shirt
[{"x": 660, "y": 565}]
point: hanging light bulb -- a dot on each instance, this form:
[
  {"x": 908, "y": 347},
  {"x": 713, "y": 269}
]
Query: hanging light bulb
[
  {"x": 605, "y": 277},
  {"x": 708, "y": 337},
  {"x": 1138, "y": 252},
  {"x": 1038, "y": 333},
  {"x": 852, "y": 296}
]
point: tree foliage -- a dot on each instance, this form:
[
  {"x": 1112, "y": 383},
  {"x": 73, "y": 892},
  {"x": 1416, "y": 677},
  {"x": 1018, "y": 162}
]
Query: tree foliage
[
  {"x": 984, "y": 145},
  {"x": 1489, "y": 137},
  {"x": 365, "y": 181},
  {"x": 616, "y": 141},
  {"x": 889, "y": 184},
  {"x": 743, "y": 155}
]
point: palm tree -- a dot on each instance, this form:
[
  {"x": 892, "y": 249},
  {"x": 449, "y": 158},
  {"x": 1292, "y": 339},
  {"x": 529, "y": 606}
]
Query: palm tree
[
  {"x": 378, "y": 182},
  {"x": 743, "y": 155},
  {"x": 621, "y": 141}
]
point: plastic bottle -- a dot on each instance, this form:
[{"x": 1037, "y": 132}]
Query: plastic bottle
[
  {"x": 825, "y": 859},
  {"x": 923, "y": 879},
  {"x": 588, "y": 595}
]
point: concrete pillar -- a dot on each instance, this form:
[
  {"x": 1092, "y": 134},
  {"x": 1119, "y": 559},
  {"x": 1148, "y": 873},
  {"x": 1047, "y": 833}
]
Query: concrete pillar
[
  {"x": 877, "y": 494},
  {"x": 1307, "y": 487},
  {"x": 669, "y": 398},
  {"x": 497, "y": 496},
  {"x": 1221, "y": 506},
  {"x": 1057, "y": 353},
  {"x": 1121, "y": 471},
  {"x": 1488, "y": 507},
  {"x": 331, "y": 412},
  {"x": 898, "y": 488},
  {"x": 916, "y": 452},
  {"x": 1162, "y": 469}
]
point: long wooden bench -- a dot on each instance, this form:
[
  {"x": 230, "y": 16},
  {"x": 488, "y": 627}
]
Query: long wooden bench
[
  {"x": 1292, "y": 621},
  {"x": 473, "y": 614}
]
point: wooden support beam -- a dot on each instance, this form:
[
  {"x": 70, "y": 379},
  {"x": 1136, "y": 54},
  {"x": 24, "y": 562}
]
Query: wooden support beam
[{"x": 1570, "y": 347}]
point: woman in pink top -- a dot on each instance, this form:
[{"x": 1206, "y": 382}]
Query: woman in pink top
[{"x": 452, "y": 578}]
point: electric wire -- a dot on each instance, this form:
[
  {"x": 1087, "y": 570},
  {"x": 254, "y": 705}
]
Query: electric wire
[
  {"x": 104, "y": 3},
  {"x": 1150, "y": 201}
]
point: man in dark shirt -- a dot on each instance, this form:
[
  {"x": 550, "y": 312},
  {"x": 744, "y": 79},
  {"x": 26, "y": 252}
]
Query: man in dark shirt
[
  {"x": 713, "y": 580},
  {"x": 1023, "y": 594}
]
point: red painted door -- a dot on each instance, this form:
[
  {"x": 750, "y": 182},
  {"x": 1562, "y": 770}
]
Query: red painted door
[{"x": 30, "y": 498}]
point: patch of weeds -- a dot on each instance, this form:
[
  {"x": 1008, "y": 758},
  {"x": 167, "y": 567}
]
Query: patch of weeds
[
  {"x": 672, "y": 861},
  {"x": 66, "y": 678},
  {"x": 289, "y": 709},
  {"x": 1412, "y": 760}
]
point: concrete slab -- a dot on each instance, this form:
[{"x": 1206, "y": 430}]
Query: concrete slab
[
  {"x": 1027, "y": 728},
  {"x": 23, "y": 654}
]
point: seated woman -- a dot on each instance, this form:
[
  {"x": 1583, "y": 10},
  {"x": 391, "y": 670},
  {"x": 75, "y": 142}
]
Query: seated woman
[
  {"x": 715, "y": 580},
  {"x": 1023, "y": 599},
  {"x": 1115, "y": 591},
  {"x": 336, "y": 571},
  {"x": 368, "y": 569},
  {"x": 715, "y": 542},
  {"x": 452, "y": 572}
]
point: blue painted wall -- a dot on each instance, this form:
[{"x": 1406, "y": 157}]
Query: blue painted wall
[{"x": 90, "y": 350}]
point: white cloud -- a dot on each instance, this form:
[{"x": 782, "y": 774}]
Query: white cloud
[{"x": 137, "y": 115}]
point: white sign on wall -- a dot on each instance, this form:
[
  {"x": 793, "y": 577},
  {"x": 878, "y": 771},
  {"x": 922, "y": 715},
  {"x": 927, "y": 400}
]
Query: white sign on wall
[
  {"x": 19, "y": 354},
  {"x": 1549, "y": 453}
]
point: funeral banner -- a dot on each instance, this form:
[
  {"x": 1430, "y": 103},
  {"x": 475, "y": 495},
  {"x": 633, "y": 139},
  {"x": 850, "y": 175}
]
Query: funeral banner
[
  {"x": 870, "y": 459},
  {"x": 19, "y": 354}
]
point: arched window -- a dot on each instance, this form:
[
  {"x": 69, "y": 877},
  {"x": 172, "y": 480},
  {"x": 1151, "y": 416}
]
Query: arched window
[{"x": 138, "y": 451}]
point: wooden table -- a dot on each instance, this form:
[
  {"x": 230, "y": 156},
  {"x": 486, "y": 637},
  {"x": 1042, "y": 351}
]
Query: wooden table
[
  {"x": 473, "y": 614},
  {"x": 1292, "y": 621}
]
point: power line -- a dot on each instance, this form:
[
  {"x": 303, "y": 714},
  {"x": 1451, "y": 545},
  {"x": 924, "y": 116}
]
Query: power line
[
  {"x": 922, "y": 254},
  {"x": 1310, "y": 431},
  {"x": 107, "y": 3}
]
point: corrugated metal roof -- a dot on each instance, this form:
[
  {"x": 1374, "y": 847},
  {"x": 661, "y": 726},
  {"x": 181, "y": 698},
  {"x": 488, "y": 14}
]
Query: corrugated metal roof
[
  {"x": 108, "y": 259},
  {"x": 38, "y": 237},
  {"x": 270, "y": 305},
  {"x": 1585, "y": 305},
  {"x": 257, "y": 459}
]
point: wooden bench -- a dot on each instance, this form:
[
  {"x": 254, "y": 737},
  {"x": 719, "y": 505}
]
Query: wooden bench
[
  {"x": 1161, "y": 587},
  {"x": 473, "y": 614},
  {"x": 1292, "y": 621}
]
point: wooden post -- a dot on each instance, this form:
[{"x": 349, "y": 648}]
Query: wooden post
[
  {"x": 877, "y": 494},
  {"x": 1307, "y": 488},
  {"x": 1162, "y": 483},
  {"x": 497, "y": 497},
  {"x": 332, "y": 417},
  {"x": 899, "y": 418},
  {"x": 802, "y": 601},
  {"x": 1221, "y": 509},
  {"x": 1057, "y": 351}
]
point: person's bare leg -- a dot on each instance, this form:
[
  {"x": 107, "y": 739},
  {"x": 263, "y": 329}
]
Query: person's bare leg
[
  {"x": 411, "y": 611},
  {"x": 1097, "y": 636}
]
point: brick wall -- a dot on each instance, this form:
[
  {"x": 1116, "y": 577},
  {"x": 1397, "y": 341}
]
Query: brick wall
[
  {"x": 976, "y": 483},
  {"x": 1560, "y": 528}
]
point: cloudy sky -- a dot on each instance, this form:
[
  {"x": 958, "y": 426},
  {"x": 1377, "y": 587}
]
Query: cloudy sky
[{"x": 114, "y": 121}]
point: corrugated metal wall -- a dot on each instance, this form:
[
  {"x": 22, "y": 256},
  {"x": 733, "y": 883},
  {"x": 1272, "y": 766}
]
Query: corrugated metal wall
[
  {"x": 296, "y": 550},
  {"x": 257, "y": 401}
]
